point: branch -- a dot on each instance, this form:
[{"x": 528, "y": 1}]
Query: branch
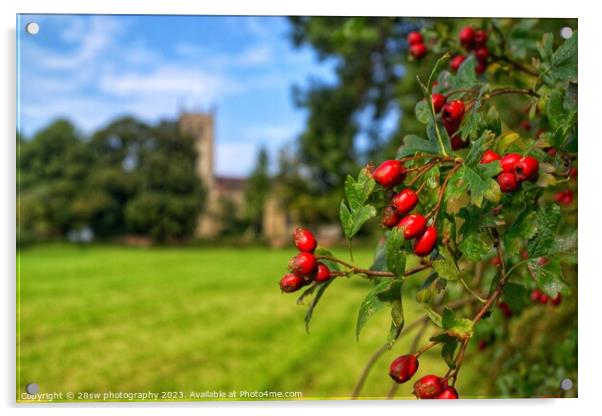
[
  {"x": 515, "y": 64},
  {"x": 373, "y": 273},
  {"x": 510, "y": 90}
]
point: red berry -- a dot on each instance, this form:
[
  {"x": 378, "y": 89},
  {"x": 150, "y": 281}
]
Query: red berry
[
  {"x": 323, "y": 273},
  {"x": 480, "y": 37},
  {"x": 451, "y": 128},
  {"x": 568, "y": 197},
  {"x": 414, "y": 38},
  {"x": 303, "y": 264},
  {"x": 573, "y": 172},
  {"x": 482, "y": 53},
  {"x": 418, "y": 50},
  {"x": 426, "y": 242},
  {"x": 490, "y": 156},
  {"x": 480, "y": 67},
  {"x": 509, "y": 161},
  {"x": 482, "y": 344},
  {"x": 390, "y": 173},
  {"x": 438, "y": 101},
  {"x": 428, "y": 387},
  {"x": 467, "y": 36},
  {"x": 390, "y": 217},
  {"x": 535, "y": 296},
  {"x": 526, "y": 169},
  {"x": 505, "y": 309},
  {"x": 551, "y": 151},
  {"x": 524, "y": 254},
  {"x": 405, "y": 201},
  {"x": 453, "y": 112},
  {"x": 457, "y": 143},
  {"x": 543, "y": 299},
  {"x": 403, "y": 368},
  {"x": 496, "y": 261},
  {"x": 304, "y": 240},
  {"x": 291, "y": 283},
  {"x": 557, "y": 299},
  {"x": 508, "y": 182},
  {"x": 456, "y": 61},
  {"x": 542, "y": 261},
  {"x": 448, "y": 393},
  {"x": 413, "y": 225}
]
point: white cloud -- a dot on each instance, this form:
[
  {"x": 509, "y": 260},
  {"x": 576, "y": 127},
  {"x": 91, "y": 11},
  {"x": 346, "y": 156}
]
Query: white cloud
[
  {"x": 272, "y": 133},
  {"x": 95, "y": 36},
  {"x": 169, "y": 80}
]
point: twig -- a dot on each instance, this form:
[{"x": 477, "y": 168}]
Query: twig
[
  {"x": 515, "y": 64},
  {"x": 374, "y": 273},
  {"x": 442, "y": 192}
]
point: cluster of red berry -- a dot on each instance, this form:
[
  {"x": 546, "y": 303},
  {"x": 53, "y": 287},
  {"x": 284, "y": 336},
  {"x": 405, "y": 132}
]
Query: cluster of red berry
[
  {"x": 564, "y": 197},
  {"x": 472, "y": 40},
  {"x": 414, "y": 226},
  {"x": 430, "y": 386},
  {"x": 304, "y": 267},
  {"x": 416, "y": 43},
  {"x": 537, "y": 296},
  {"x": 515, "y": 169}
]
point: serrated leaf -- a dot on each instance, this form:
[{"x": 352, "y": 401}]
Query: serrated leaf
[
  {"x": 446, "y": 269},
  {"x": 546, "y": 221},
  {"x": 358, "y": 192},
  {"x": 479, "y": 187},
  {"x": 466, "y": 76},
  {"x": 516, "y": 296},
  {"x": 346, "y": 220},
  {"x": 447, "y": 318},
  {"x": 522, "y": 229},
  {"x": 506, "y": 140},
  {"x": 361, "y": 217},
  {"x": 462, "y": 329},
  {"x": 474, "y": 247},
  {"x": 448, "y": 351},
  {"x": 548, "y": 276},
  {"x": 413, "y": 144},
  {"x": 396, "y": 256},
  {"x": 484, "y": 142},
  {"x": 554, "y": 111},
  {"x": 370, "y": 305},
  {"x": 397, "y": 317}
]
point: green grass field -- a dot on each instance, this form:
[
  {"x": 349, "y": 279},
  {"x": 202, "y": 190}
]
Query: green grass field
[{"x": 123, "y": 319}]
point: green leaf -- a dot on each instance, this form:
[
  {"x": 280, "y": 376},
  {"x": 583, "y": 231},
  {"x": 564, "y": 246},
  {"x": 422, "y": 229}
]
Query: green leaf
[
  {"x": 346, "y": 220},
  {"x": 434, "y": 316},
  {"x": 478, "y": 148},
  {"x": 413, "y": 144},
  {"x": 522, "y": 229},
  {"x": 310, "y": 310},
  {"x": 361, "y": 217},
  {"x": 370, "y": 305},
  {"x": 396, "y": 256},
  {"x": 478, "y": 185},
  {"x": 545, "y": 46},
  {"x": 474, "y": 247},
  {"x": 397, "y": 317},
  {"x": 466, "y": 76},
  {"x": 380, "y": 256},
  {"x": 358, "y": 192},
  {"x": 448, "y": 351},
  {"x": 564, "y": 60},
  {"x": 456, "y": 327},
  {"x": 554, "y": 110},
  {"x": 549, "y": 276},
  {"x": 516, "y": 296},
  {"x": 423, "y": 111},
  {"x": 546, "y": 222},
  {"x": 446, "y": 269}
]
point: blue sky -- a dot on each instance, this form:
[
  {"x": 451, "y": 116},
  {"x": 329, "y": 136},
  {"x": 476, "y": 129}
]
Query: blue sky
[{"x": 92, "y": 69}]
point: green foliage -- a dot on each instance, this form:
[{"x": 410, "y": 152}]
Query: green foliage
[{"x": 354, "y": 211}]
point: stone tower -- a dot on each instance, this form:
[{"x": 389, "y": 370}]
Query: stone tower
[{"x": 200, "y": 127}]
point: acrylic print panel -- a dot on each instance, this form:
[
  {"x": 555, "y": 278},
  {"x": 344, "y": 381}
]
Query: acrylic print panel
[{"x": 165, "y": 164}]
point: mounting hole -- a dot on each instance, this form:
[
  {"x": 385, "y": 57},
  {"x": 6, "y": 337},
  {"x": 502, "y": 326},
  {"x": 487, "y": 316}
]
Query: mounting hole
[
  {"x": 566, "y": 32},
  {"x": 566, "y": 384},
  {"x": 32, "y": 28},
  {"x": 32, "y": 388}
]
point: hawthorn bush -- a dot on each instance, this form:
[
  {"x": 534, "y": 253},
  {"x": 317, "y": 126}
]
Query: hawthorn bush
[{"x": 481, "y": 210}]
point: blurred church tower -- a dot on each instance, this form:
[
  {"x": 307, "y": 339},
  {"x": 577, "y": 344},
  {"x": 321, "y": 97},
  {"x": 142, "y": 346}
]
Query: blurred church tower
[{"x": 200, "y": 126}]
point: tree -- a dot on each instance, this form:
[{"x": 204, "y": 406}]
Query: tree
[
  {"x": 256, "y": 191},
  {"x": 479, "y": 215},
  {"x": 171, "y": 195}
]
